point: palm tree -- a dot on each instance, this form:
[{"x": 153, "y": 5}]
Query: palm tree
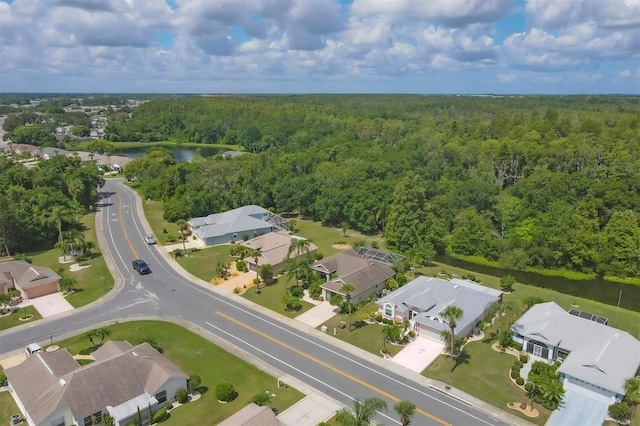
[
  {"x": 182, "y": 226},
  {"x": 533, "y": 390},
  {"x": 298, "y": 246},
  {"x": 552, "y": 392},
  {"x": 632, "y": 390},
  {"x": 346, "y": 289},
  {"x": 58, "y": 215},
  {"x": 255, "y": 253},
  {"x": 391, "y": 332},
  {"x": 362, "y": 412},
  {"x": 452, "y": 314},
  {"x": 445, "y": 336},
  {"x": 406, "y": 410}
]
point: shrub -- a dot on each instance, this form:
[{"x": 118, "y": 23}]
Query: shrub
[
  {"x": 292, "y": 303},
  {"x": 225, "y": 392},
  {"x": 519, "y": 381},
  {"x": 193, "y": 383},
  {"x": 379, "y": 317},
  {"x": 168, "y": 406},
  {"x": 358, "y": 244},
  {"x": 516, "y": 369},
  {"x": 515, "y": 374},
  {"x": 241, "y": 266},
  {"x": 524, "y": 358},
  {"x": 159, "y": 416},
  {"x": 261, "y": 398},
  {"x": 620, "y": 412},
  {"x": 375, "y": 244},
  {"x": 297, "y": 291},
  {"x": 516, "y": 345},
  {"x": 181, "y": 395},
  {"x": 237, "y": 290},
  {"x": 3, "y": 379},
  {"x": 319, "y": 256},
  {"x": 518, "y": 363},
  {"x": 245, "y": 237}
]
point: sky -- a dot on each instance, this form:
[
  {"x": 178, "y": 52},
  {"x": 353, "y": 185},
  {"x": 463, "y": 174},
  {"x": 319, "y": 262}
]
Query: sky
[{"x": 320, "y": 46}]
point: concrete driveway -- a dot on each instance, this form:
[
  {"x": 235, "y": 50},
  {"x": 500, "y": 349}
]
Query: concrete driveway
[
  {"x": 318, "y": 315},
  {"x": 418, "y": 354},
  {"x": 51, "y": 305}
]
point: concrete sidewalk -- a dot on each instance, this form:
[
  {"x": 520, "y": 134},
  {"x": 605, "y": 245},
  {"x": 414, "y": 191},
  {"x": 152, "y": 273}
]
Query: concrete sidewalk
[{"x": 318, "y": 315}]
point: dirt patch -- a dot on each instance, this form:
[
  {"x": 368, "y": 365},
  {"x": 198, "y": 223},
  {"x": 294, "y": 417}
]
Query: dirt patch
[
  {"x": 341, "y": 246},
  {"x": 525, "y": 409}
]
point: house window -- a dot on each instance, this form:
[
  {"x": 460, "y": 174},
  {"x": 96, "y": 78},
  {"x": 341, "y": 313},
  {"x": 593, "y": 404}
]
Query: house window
[
  {"x": 88, "y": 421},
  {"x": 161, "y": 397},
  {"x": 94, "y": 419},
  {"x": 388, "y": 310}
]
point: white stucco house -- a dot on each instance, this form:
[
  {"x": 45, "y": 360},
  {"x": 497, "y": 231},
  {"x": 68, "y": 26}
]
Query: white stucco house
[
  {"x": 52, "y": 389},
  {"x": 596, "y": 358},
  {"x": 423, "y": 300},
  {"x": 235, "y": 225}
]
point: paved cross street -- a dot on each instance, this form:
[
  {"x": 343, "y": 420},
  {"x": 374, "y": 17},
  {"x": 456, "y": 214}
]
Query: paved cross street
[{"x": 281, "y": 346}]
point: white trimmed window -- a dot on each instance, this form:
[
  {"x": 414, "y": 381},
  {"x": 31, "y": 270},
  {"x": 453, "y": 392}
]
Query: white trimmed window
[{"x": 388, "y": 310}]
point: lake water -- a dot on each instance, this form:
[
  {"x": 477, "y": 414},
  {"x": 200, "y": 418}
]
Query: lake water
[
  {"x": 181, "y": 154},
  {"x": 596, "y": 289}
]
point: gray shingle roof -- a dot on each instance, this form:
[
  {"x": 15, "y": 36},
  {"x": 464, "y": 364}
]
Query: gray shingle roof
[
  {"x": 601, "y": 355},
  {"x": 47, "y": 381},
  {"x": 354, "y": 269},
  {"x": 429, "y": 296},
  {"x": 26, "y": 275},
  {"x": 238, "y": 220}
]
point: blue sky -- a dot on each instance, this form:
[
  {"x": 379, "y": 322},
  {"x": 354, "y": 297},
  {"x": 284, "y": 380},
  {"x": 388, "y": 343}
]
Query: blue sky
[{"x": 318, "y": 46}]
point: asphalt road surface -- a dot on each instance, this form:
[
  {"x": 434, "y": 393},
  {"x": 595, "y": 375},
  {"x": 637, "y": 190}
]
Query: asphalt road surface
[{"x": 330, "y": 369}]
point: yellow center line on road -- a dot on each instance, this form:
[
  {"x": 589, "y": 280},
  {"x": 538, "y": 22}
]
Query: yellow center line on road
[
  {"x": 330, "y": 367},
  {"x": 124, "y": 231}
]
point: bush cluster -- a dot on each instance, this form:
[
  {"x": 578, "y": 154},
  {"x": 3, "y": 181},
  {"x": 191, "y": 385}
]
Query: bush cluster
[
  {"x": 225, "y": 392},
  {"x": 261, "y": 398},
  {"x": 520, "y": 381},
  {"x": 159, "y": 416},
  {"x": 524, "y": 358},
  {"x": 297, "y": 291},
  {"x": 241, "y": 266},
  {"x": 181, "y": 395}
]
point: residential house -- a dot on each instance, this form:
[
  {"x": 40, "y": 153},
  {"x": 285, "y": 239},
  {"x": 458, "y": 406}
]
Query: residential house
[
  {"x": 30, "y": 280},
  {"x": 235, "y": 225},
  {"x": 423, "y": 300},
  {"x": 50, "y": 152},
  {"x": 253, "y": 415},
  {"x": 274, "y": 248},
  {"x": 596, "y": 359},
  {"x": 52, "y": 389},
  {"x": 368, "y": 276}
]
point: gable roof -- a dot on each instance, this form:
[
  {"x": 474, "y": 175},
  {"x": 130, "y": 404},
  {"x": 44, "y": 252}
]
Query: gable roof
[
  {"x": 238, "y": 220},
  {"x": 47, "y": 381},
  {"x": 601, "y": 355},
  {"x": 273, "y": 247},
  {"x": 352, "y": 268},
  {"x": 252, "y": 415},
  {"x": 25, "y": 275},
  {"x": 428, "y": 296}
]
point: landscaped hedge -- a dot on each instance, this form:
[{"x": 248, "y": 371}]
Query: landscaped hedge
[
  {"x": 159, "y": 416},
  {"x": 524, "y": 358},
  {"x": 520, "y": 381},
  {"x": 515, "y": 374},
  {"x": 181, "y": 396},
  {"x": 225, "y": 392},
  {"x": 519, "y": 363}
]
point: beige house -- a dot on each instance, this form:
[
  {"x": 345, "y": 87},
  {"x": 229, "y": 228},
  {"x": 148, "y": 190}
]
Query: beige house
[
  {"x": 52, "y": 389},
  {"x": 30, "y": 280},
  {"x": 273, "y": 248}
]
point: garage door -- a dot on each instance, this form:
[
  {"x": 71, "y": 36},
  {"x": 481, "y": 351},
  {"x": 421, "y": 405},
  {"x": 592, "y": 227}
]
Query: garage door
[
  {"x": 429, "y": 333},
  {"x": 42, "y": 290}
]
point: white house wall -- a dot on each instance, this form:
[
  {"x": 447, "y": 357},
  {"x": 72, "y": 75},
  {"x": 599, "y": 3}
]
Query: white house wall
[{"x": 53, "y": 418}]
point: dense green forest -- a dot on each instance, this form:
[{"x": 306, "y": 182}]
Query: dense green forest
[
  {"x": 548, "y": 182},
  {"x": 41, "y": 207}
]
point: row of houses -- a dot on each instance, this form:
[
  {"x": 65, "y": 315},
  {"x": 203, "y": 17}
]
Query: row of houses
[{"x": 113, "y": 162}]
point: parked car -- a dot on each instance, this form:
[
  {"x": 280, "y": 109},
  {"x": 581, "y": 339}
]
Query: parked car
[
  {"x": 141, "y": 266},
  {"x": 149, "y": 239}
]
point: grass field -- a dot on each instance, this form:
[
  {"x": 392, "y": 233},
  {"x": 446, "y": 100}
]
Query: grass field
[
  {"x": 363, "y": 335},
  {"x": 195, "y": 355},
  {"x": 202, "y": 263},
  {"x": 8, "y": 407},
  {"x": 271, "y": 297},
  {"x": 324, "y": 236},
  {"x": 13, "y": 319},
  {"x": 93, "y": 282},
  {"x": 484, "y": 373}
]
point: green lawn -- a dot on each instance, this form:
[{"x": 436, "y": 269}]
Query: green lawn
[
  {"x": 363, "y": 335},
  {"x": 484, "y": 373},
  {"x": 13, "y": 319},
  {"x": 271, "y": 297},
  {"x": 195, "y": 355},
  {"x": 8, "y": 407},
  {"x": 628, "y": 320},
  {"x": 153, "y": 211},
  {"x": 324, "y": 237},
  {"x": 93, "y": 282},
  {"x": 202, "y": 263}
]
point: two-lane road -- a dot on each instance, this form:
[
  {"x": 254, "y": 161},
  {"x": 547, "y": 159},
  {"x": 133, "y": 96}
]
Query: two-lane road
[{"x": 279, "y": 343}]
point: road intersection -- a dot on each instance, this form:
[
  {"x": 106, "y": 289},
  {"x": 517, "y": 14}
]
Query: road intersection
[{"x": 281, "y": 346}]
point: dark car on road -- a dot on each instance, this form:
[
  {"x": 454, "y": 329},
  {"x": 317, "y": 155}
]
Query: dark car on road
[{"x": 141, "y": 266}]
